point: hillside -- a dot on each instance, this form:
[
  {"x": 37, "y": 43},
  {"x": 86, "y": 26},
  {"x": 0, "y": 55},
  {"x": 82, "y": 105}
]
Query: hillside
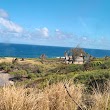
[{"x": 59, "y": 85}]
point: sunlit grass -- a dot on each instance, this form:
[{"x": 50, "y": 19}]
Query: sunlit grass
[{"x": 53, "y": 97}]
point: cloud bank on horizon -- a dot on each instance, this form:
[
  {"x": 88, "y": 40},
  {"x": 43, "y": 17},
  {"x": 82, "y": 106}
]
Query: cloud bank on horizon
[{"x": 11, "y": 32}]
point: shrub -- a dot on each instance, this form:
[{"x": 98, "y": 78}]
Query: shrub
[
  {"x": 31, "y": 76},
  {"x": 74, "y": 68},
  {"x": 67, "y": 68},
  {"x": 87, "y": 66},
  {"x": 6, "y": 66},
  {"x": 94, "y": 78},
  {"x": 103, "y": 66},
  {"x": 19, "y": 74}
]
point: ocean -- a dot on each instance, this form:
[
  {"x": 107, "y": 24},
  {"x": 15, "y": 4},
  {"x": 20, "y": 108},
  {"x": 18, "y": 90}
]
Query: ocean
[{"x": 34, "y": 51}]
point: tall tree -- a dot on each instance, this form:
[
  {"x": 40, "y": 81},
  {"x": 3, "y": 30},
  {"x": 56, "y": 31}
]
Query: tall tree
[{"x": 77, "y": 51}]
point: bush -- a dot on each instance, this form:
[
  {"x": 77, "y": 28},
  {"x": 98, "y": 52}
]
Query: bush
[
  {"x": 74, "y": 68},
  {"x": 103, "y": 66},
  {"x": 94, "y": 78},
  {"x": 31, "y": 76},
  {"x": 60, "y": 69},
  {"x": 87, "y": 66},
  {"x": 19, "y": 74},
  {"x": 67, "y": 68},
  {"x": 6, "y": 66},
  {"x": 107, "y": 63}
]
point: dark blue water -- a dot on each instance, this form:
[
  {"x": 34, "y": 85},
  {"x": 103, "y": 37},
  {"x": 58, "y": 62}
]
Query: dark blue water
[{"x": 33, "y": 51}]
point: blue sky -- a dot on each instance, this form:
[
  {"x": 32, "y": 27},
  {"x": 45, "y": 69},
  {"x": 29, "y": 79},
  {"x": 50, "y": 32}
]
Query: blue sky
[{"x": 56, "y": 22}]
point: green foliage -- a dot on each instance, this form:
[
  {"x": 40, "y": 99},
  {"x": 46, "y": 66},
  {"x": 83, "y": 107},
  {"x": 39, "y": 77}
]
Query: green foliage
[
  {"x": 107, "y": 63},
  {"x": 9, "y": 67},
  {"x": 74, "y": 68},
  {"x": 97, "y": 70},
  {"x": 84, "y": 77},
  {"x": 65, "y": 69},
  {"x": 59, "y": 69},
  {"x": 31, "y": 76},
  {"x": 94, "y": 65},
  {"x": 6, "y": 66},
  {"x": 87, "y": 66},
  {"x": 19, "y": 74},
  {"x": 103, "y": 66},
  {"x": 94, "y": 79}
]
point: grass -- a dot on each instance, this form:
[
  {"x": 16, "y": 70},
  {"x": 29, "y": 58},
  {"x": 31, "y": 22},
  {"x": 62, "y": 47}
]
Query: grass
[
  {"x": 41, "y": 85},
  {"x": 53, "y": 97}
]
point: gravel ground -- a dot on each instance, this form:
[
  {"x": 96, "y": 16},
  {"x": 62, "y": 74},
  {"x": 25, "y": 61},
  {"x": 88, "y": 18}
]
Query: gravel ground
[{"x": 4, "y": 78}]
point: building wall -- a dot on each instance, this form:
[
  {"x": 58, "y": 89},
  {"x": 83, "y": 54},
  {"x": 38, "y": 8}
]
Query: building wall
[{"x": 79, "y": 60}]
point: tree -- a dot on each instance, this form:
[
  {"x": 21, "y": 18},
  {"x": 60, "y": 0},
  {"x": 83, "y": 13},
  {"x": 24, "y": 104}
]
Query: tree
[
  {"x": 43, "y": 57},
  {"x": 77, "y": 51}
]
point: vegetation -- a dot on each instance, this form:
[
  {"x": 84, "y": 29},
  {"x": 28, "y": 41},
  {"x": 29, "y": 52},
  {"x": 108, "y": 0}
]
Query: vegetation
[
  {"x": 41, "y": 85},
  {"x": 53, "y": 97},
  {"x": 77, "y": 52}
]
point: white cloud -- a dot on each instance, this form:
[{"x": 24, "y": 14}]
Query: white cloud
[
  {"x": 43, "y": 32},
  {"x": 3, "y": 13},
  {"x": 84, "y": 38},
  {"x": 7, "y": 24},
  {"x": 62, "y": 35},
  {"x": 11, "y": 26},
  {"x": 57, "y": 30}
]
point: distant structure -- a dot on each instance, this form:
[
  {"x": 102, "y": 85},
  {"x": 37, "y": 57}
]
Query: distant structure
[
  {"x": 77, "y": 60},
  {"x": 77, "y": 55}
]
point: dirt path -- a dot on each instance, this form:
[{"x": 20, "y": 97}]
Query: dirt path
[{"x": 4, "y": 79}]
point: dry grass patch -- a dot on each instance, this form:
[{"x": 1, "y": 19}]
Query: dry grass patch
[{"x": 53, "y": 97}]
